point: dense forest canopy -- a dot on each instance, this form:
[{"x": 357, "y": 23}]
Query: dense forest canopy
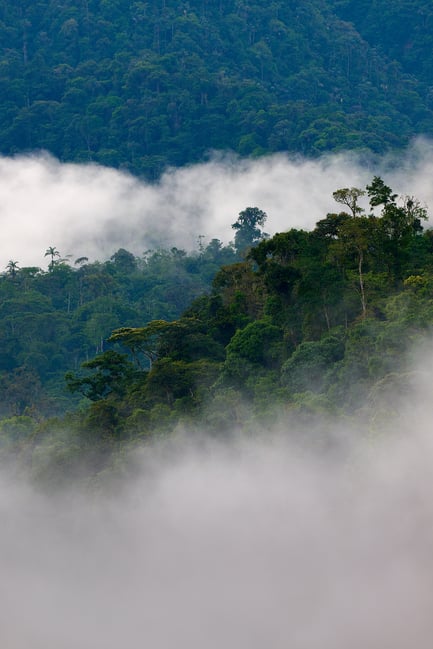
[
  {"x": 233, "y": 443},
  {"x": 304, "y": 323},
  {"x": 143, "y": 85},
  {"x": 226, "y": 441},
  {"x": 311, "y": 323},
  {"x": 52, "y": 320}
]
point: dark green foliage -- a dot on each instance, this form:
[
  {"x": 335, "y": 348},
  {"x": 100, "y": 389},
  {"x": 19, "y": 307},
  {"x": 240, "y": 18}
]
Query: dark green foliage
[
  {"x": 310, "y": 324},
  {"x": 255, "y": 347},
  {"x": 103, "y": 421},
  {"x": 175, "y": 382},
  {"x": 248, "y": 228},
  {"x": 379, "y": 193},
  {"x": 307, "y": 367},
  {"x": 146, "y": 85},
  {"x": 309, "y": 313},
  {"x": 402, "y": 30},
  {"x": 112, "y": 375},
  {"x": 52, "y": 322}
]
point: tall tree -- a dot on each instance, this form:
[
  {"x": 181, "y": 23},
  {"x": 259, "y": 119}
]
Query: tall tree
[
  {"x": 12, "y": 268},
  {"x": 352, "y": 236},
  {"x": 53, "y": 253},
  {"x": 400, "y": 222},
  {"x": 350, "y": 197},
  {"x": 248, "y": 228}
]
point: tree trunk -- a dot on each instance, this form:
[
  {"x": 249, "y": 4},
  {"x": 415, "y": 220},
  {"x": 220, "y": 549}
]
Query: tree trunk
[{"x": 361, "y": 285}]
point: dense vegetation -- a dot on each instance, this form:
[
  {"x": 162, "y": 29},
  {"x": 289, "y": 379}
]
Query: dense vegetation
[
  {"x": 303, "y": 323},
  {"x": 307, "y": 323},
  {"x": 53, "y": 320},
  {"x": 143, "y": 85}
]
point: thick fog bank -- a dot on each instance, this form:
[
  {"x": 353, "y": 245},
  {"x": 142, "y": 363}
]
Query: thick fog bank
[
  {"x": 254, "y": 543},
  {"x": 86, "y": 210},
  {"x": 247, "y": 545}
]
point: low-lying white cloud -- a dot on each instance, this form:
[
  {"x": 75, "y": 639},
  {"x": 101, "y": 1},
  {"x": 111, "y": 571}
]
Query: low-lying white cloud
[
  {"x": 87, "y": 210},
  {"x": 251, "y": 543},
  {"x": 244, "y": 548}
]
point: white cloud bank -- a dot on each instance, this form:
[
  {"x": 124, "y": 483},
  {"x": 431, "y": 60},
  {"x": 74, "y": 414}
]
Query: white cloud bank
[
  {"x": 86, "y": 210},
  {"x": 250, "y": 546},
  {"x": 253, "y": 546},
  {"x": 256, "y": 543}
]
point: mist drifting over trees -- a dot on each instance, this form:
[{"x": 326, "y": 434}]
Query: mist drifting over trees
[{"x": 216, "y": 281}]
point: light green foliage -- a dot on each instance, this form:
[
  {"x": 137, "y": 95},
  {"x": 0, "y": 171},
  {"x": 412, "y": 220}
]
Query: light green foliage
[
  {"x": 15, "y": 430},
  {"x": 306, "y": 369},
  {"x": 350, "y": 197},
  {"x": 257, "y": 343}
]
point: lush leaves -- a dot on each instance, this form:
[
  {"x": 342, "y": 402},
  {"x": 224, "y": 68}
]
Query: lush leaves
[
  {"x": 308, "y": 324},
  {"x": 146, "y": 85}
]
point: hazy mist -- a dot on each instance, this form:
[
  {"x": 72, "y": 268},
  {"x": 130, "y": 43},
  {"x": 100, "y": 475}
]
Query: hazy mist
[
  {"x": 249, "y": 544},
  {"x": 87, "y": 210},
  {"x": 259, "y": 543}
]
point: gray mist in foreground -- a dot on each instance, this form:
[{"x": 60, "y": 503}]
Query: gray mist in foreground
[{"x": 249, "y": 544}]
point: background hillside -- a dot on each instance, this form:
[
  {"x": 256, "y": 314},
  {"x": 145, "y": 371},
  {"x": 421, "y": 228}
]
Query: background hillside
[
  {"x": 304, "y": 325},
  {"x": 231, "y": 446},
  {"x": 143, "y": 85}
]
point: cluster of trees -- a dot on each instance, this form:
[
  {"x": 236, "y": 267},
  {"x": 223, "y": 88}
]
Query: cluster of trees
[
  {"x": 53, "y": 320},
  {"x": 143, "y": 85},
  {"x": 302, "y": 323},
  {"x": 400, "y": 29}
]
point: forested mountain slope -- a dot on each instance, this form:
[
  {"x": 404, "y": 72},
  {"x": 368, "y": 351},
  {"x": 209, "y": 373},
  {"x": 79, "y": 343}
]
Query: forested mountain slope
[
  {"x": 143, "y": 85},
  {"x": 53, "y": 320},
  {"x": 306, "y": 324},
  {"x": 401, "y": 30}
]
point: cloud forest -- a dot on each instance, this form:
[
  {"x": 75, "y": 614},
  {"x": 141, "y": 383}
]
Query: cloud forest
[
  {"x": 216, "y": 313},
  {"x": 300, "y": 324},
  {"x": 146, "y": 85}
]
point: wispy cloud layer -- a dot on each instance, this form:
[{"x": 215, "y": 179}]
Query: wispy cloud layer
[
  {"x": 242, "y": 544},
  {"x": 250, "y": 545},
  {"x": 92, "y": 211},
  {"x": 245, "y": 546}
]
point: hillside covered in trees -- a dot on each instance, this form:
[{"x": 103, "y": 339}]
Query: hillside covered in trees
[
  {"x": 98, "y": 356},
  {"x": 53, "y": 320},
  {"x": 228, "y": 446},
  {"x": 305, "y": 324},
  {"x": 143, "y": 85}
]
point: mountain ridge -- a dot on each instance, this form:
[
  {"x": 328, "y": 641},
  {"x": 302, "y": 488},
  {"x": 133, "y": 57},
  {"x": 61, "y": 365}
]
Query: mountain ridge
[{"x": 146, "y": 85}]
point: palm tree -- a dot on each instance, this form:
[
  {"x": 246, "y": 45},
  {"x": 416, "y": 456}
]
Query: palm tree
[
  {"x": 81, "y": 260},
  {"x": 12, "y": 268},
  {"x": 52, "y": 252}
]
